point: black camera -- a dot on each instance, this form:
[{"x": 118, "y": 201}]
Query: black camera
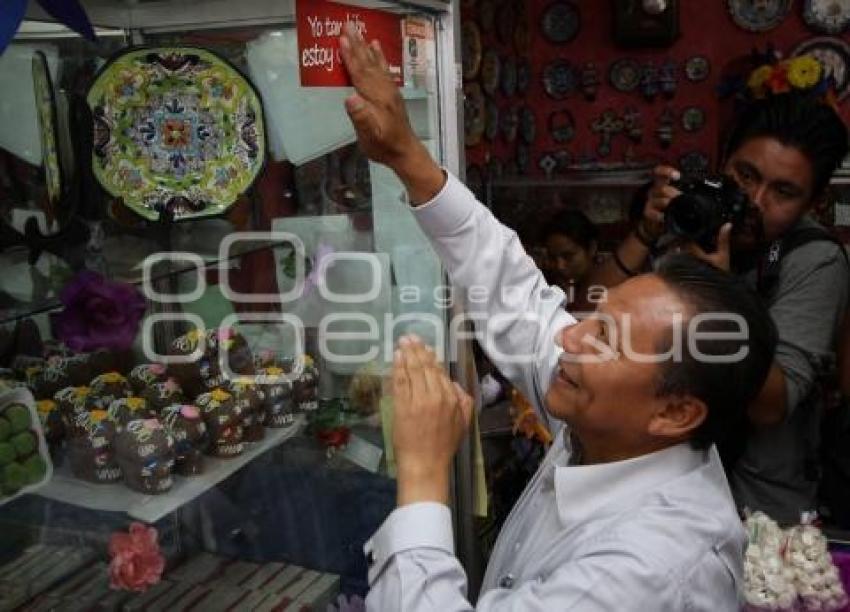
[{"x": 703, "y": 207}]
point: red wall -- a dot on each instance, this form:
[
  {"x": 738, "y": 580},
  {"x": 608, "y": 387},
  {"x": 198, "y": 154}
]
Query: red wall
[{"x": 706, "y": 29}]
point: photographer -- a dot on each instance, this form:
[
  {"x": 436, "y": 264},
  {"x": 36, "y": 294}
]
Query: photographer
[{"x": 782, "y": 153}]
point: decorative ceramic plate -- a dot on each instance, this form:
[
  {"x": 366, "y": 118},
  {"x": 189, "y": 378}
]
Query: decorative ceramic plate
[
  {"x": 505, "y": 23},
  {"x": 559, "y": 79},
  {"x": 759, "y": 15},
  {"x": 487, "y": 15},
  {"x": 490, "y": 71},
  {"x": 527, "y": 124},
  {"x": 45, "y": 106},
  {"x": 624, "y": 75},
  {"x": 697, "y": 68},
  {"x": 829, "y": 16},
  {"x": 510, "y": 124},
  {"x": 693, "y": 118},
  {"x": 834, "y": 54},
  {"x": 560, "y": 22},
  {"x": 522, "y": 34},
  {"x": 509, "y": 76},
  {"x": 491, "y": 120},
  {"x": 175, "y": 128},
  {"x": 470, "y": 49},
  {"x": 562, "y": 125},
  {"x": 523, "y": 76},
  {"x": 473, "y": 114}
]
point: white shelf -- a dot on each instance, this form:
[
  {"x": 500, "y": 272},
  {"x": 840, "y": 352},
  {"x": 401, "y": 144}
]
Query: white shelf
[{"x": 150, "y": 508}]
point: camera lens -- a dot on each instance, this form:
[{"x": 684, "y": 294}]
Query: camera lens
[{"x": 685, "y": 216}]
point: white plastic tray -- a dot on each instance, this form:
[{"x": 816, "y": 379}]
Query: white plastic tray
[
  {"x": 22, "y": 395},
  {"x": 150, "y": 508}
]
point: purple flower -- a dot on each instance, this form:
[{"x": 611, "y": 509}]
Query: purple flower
[{"x": 98, "y": 313}]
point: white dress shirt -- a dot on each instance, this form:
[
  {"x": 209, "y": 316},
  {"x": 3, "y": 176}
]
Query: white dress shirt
[{"x": 653, "y": 533}]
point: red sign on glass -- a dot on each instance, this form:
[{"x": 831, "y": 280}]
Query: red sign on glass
[{"x": 320, "y": 24}]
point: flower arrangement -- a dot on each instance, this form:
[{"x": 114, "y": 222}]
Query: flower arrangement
[
  {"x": 774, "y": 75},
  {"x": 98, "y": 313},
  {"x": 137, "y": 562},
  {"x": 802, "y": 73}
]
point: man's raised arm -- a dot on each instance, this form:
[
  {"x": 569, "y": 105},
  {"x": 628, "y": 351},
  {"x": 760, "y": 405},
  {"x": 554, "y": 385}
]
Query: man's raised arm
[{"x": 515, "y": 312}]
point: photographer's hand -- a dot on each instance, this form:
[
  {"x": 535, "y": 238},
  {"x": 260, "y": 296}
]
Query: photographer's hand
[
  {"x": 721, "y": 257},
  {"x": 658, "y": 199}
]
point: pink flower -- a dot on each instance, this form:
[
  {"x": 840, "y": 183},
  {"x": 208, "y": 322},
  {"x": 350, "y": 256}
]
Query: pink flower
[
  {"x": 98, "y": 313},
  {"x": 189, "y": 411},
  {"x": 137, "y": 562}
]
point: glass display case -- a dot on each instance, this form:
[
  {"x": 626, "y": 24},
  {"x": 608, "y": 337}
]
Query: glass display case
[{"x": 203, "y": 283}]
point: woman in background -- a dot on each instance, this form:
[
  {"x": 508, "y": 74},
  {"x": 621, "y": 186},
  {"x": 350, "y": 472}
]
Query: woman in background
[{"x": 570, "y": 239}]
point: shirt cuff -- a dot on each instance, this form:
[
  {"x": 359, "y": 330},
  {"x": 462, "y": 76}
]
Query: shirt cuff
[
  {"x": 448, "y": 210},
  {"x": 419, "y": 525}
]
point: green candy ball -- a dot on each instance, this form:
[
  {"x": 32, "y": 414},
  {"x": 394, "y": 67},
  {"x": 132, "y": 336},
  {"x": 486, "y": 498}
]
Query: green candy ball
[
  {"x": 7, "y": 453},
  {"x": 19, "y": 417},
  {"x": 24, "y": 444},
  {"x": 5, "y": 429},
  {"x": 14, "y": 478},
  {"x": 36, "y": 468}
]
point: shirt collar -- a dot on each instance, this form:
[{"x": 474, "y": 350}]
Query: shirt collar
[{"x": 590, "y": 491}]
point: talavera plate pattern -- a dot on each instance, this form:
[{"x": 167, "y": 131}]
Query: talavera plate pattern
[
  {"x": 175, "y": 128},
  {"x": 46, "y": 112}
]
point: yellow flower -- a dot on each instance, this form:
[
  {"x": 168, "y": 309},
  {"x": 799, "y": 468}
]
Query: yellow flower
[
  {"x": 98, "y": 415},
  {"x": 804, "y": 72},
  {"x": 136, "y": 403},
  {"x": 112, "y": 377},
  {"x": 220, "y": 395},
  {"x": 45, "y": 406},
  {"x": 758, "y": 77}
]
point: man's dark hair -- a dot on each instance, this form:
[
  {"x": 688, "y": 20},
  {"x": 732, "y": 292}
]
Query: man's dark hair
[
  {"x": 726, "y": 388},
  {"x": 573, "y": 224},
  {"x": 798, "y": 120}
]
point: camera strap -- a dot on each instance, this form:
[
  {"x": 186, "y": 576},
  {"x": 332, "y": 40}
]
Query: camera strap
[{"x": 771, "y": 262}]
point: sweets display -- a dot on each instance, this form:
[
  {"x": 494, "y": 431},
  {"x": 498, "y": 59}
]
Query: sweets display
[
  {"x": 156, "y": 421},
  {"x": 789, "y": 570},
  {"x": 250, "y": 399},
  {"x": 224, "y": 423},
  {"x": 91, "y": 448},
  {"x": 108, "y": 387},
  {"x": 24, "y": 457},
  {"x": 125, "y": 409},
  {"x": 145, "y": 453},
  {"x": 305, "y": 389},
  {"x": 279, "y": 402},
  {"x": 186, "y": 426}
]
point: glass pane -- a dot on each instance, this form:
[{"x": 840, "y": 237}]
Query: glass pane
[{"x": 293, "y": 295}]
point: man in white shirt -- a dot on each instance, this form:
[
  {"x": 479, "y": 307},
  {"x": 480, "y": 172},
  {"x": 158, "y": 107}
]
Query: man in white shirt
[{"x": 630, "y": 509}]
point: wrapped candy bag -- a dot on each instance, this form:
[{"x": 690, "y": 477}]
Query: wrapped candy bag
[
  {"x": 768, "y": 583},
  {"x": 815, "y": 576}
]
